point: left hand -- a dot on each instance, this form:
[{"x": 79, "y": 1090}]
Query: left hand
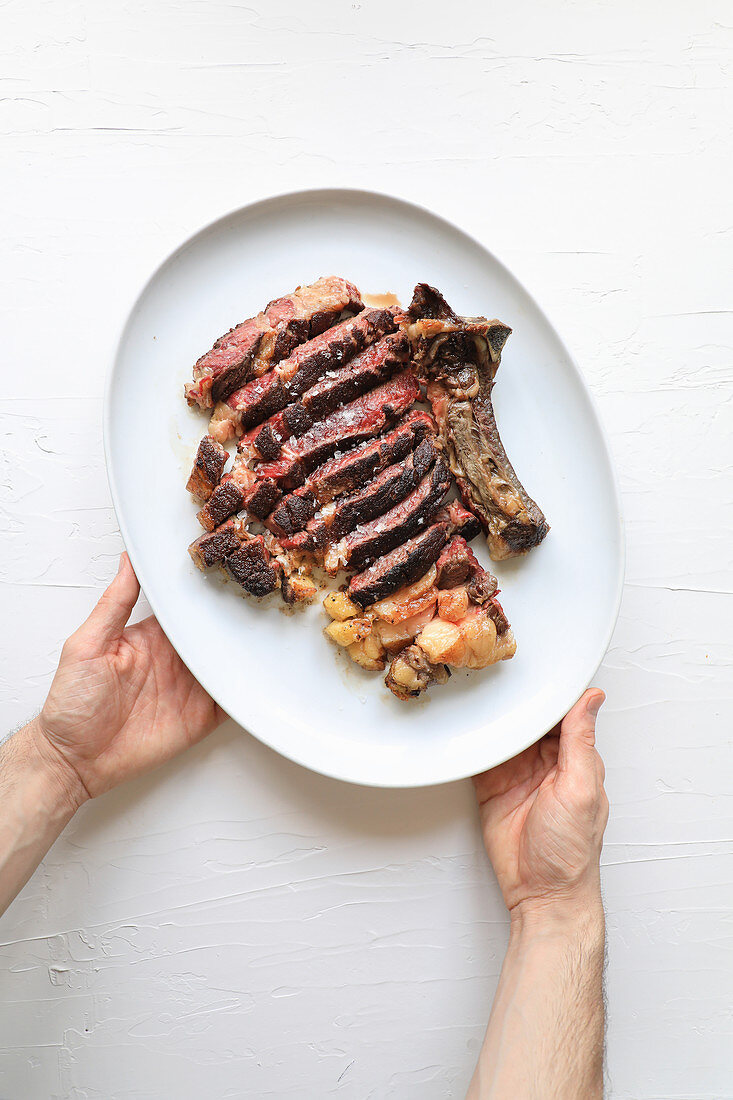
[{"x": 122, "y": 701}]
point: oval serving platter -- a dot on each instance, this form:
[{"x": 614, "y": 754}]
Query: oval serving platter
[{"x": 276, "y": 674}]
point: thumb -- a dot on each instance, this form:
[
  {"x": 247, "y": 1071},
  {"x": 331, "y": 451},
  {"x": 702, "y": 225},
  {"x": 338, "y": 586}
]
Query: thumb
[
  {"x": 578, "y": 731},
  {"x": 109, "y": 618}
]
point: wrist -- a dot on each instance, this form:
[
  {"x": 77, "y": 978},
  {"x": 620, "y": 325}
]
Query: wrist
[
  {"x": 60, "y": 779},
  {"x": 579, "y": 913}
]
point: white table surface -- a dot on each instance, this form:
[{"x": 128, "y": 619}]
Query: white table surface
[{"x": 234, "y": 925}]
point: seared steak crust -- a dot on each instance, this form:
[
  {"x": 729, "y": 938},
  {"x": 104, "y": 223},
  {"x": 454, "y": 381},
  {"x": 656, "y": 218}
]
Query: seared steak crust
[
  {"x": 212, "y": 547},
  {"x": 427, "y": 302},
  {"x": 287, "y": 381},
  {"x": 262, "y": 498},
  {"x": 208, "y": 466},
  {"x": 239, "y": 489},
  {"x": 251, "y": 566},
  {"x": 227, "y": 498},
  {"x": 293, "y": 512},
  {"x": 338, "y": 386},
  {"x": 250, "y": 347},
  {"x": 403, "y": 565},
  {"x": 351, "y": 424},
  {"x": 347, "y": 471},
  {"x": 375, "y": 499},
  {"x": 370, "y": 540}
]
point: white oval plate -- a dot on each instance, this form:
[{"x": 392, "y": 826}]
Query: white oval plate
[{"x": 276, "y": 674}]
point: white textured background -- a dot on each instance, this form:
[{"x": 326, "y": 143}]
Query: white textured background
[{"x": 235, "y": 926}]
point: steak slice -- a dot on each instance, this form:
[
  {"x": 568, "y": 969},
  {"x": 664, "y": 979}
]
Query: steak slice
[
  {"x": 403, "y": 565},
  {"x": 320, "y": 304},
  {"x": 250, "y": 347},
  {"x": 227, "y": 498},
  {"x": 376, "y": 498},
  {"x": 293, "y": 512},
  {"x": 239, "y": 489},
  {"x": 456, "y": 564},
  {"x": 342, "y": 384},
  {"x": 345, "y": 472},
  {"x": 265, "y": 442},
  {"x": 212, "y": 547},
  {"x": 462, "y": 522},
  {"x": 208, "y": 465},
  {"x": 262, "y": 498},
  {"x": 252, "y": 567},
  {"x": 361, "y": 419},
  {"x": 289, "y": 379},
  {"x": 370, "y": 540}
]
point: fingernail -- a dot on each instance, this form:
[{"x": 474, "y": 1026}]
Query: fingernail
[{"x": 595, "y": 703}]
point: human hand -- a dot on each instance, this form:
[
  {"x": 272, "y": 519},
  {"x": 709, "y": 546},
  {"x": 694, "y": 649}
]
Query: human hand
[
  {"x": 543, "y": 815},
  {"x": 122, "y": 701}
]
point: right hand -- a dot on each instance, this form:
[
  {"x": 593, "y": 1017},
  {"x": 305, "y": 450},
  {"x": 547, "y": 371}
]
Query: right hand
[{"x": 543, "y": 815}]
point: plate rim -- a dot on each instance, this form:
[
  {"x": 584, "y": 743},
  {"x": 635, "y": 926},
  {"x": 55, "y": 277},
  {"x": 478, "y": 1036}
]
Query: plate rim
[{"x": 324, "y": 193}]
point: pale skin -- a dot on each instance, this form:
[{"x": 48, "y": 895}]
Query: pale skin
[
  {"x": 543, "y": 815},
  {"x": 122, "y": 702}
]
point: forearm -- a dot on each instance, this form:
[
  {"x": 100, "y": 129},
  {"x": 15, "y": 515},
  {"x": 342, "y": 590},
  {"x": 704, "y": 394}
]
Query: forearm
[
  {"x": 38, "y": 797},
  {"x": 546, "y": 1031}
]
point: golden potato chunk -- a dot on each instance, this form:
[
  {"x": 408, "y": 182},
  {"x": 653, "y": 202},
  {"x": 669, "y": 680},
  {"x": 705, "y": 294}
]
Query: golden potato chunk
[
  {"x": 368, "y": 653},
  {"x": 349, "y": 631},
  {"x": 340, "y": 607}
]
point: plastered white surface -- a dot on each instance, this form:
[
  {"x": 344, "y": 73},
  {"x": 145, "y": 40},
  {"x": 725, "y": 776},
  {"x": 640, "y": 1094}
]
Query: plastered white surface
[{"x": 233, "y": 925}]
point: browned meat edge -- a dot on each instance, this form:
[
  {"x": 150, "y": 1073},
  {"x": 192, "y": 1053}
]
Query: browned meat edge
[
  {"x": 262, "y": 498},
  {"x": 208, "y": 466},
  {"x": 351, "y": 424},
  {"x": 212, "y": 547},
  {"x": 338, "y": 386},
  {"x": 346, "y": 471},
  {"x": 429, "y": 302},
  {"x": 376, "y": 498},
  {"x": 403, "y": 565},
  {"x": 230, "y": 496},
  {"x": 227, "y": 498},
  {"x": 429, "y": 317},
  {"x": 293, "y": 512},
  {"x": 252, "y": 567},
  {"x": 270, "y": 336},
  {"x": 371, "y": 540},
  {"x": 267, "y": 395}
]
